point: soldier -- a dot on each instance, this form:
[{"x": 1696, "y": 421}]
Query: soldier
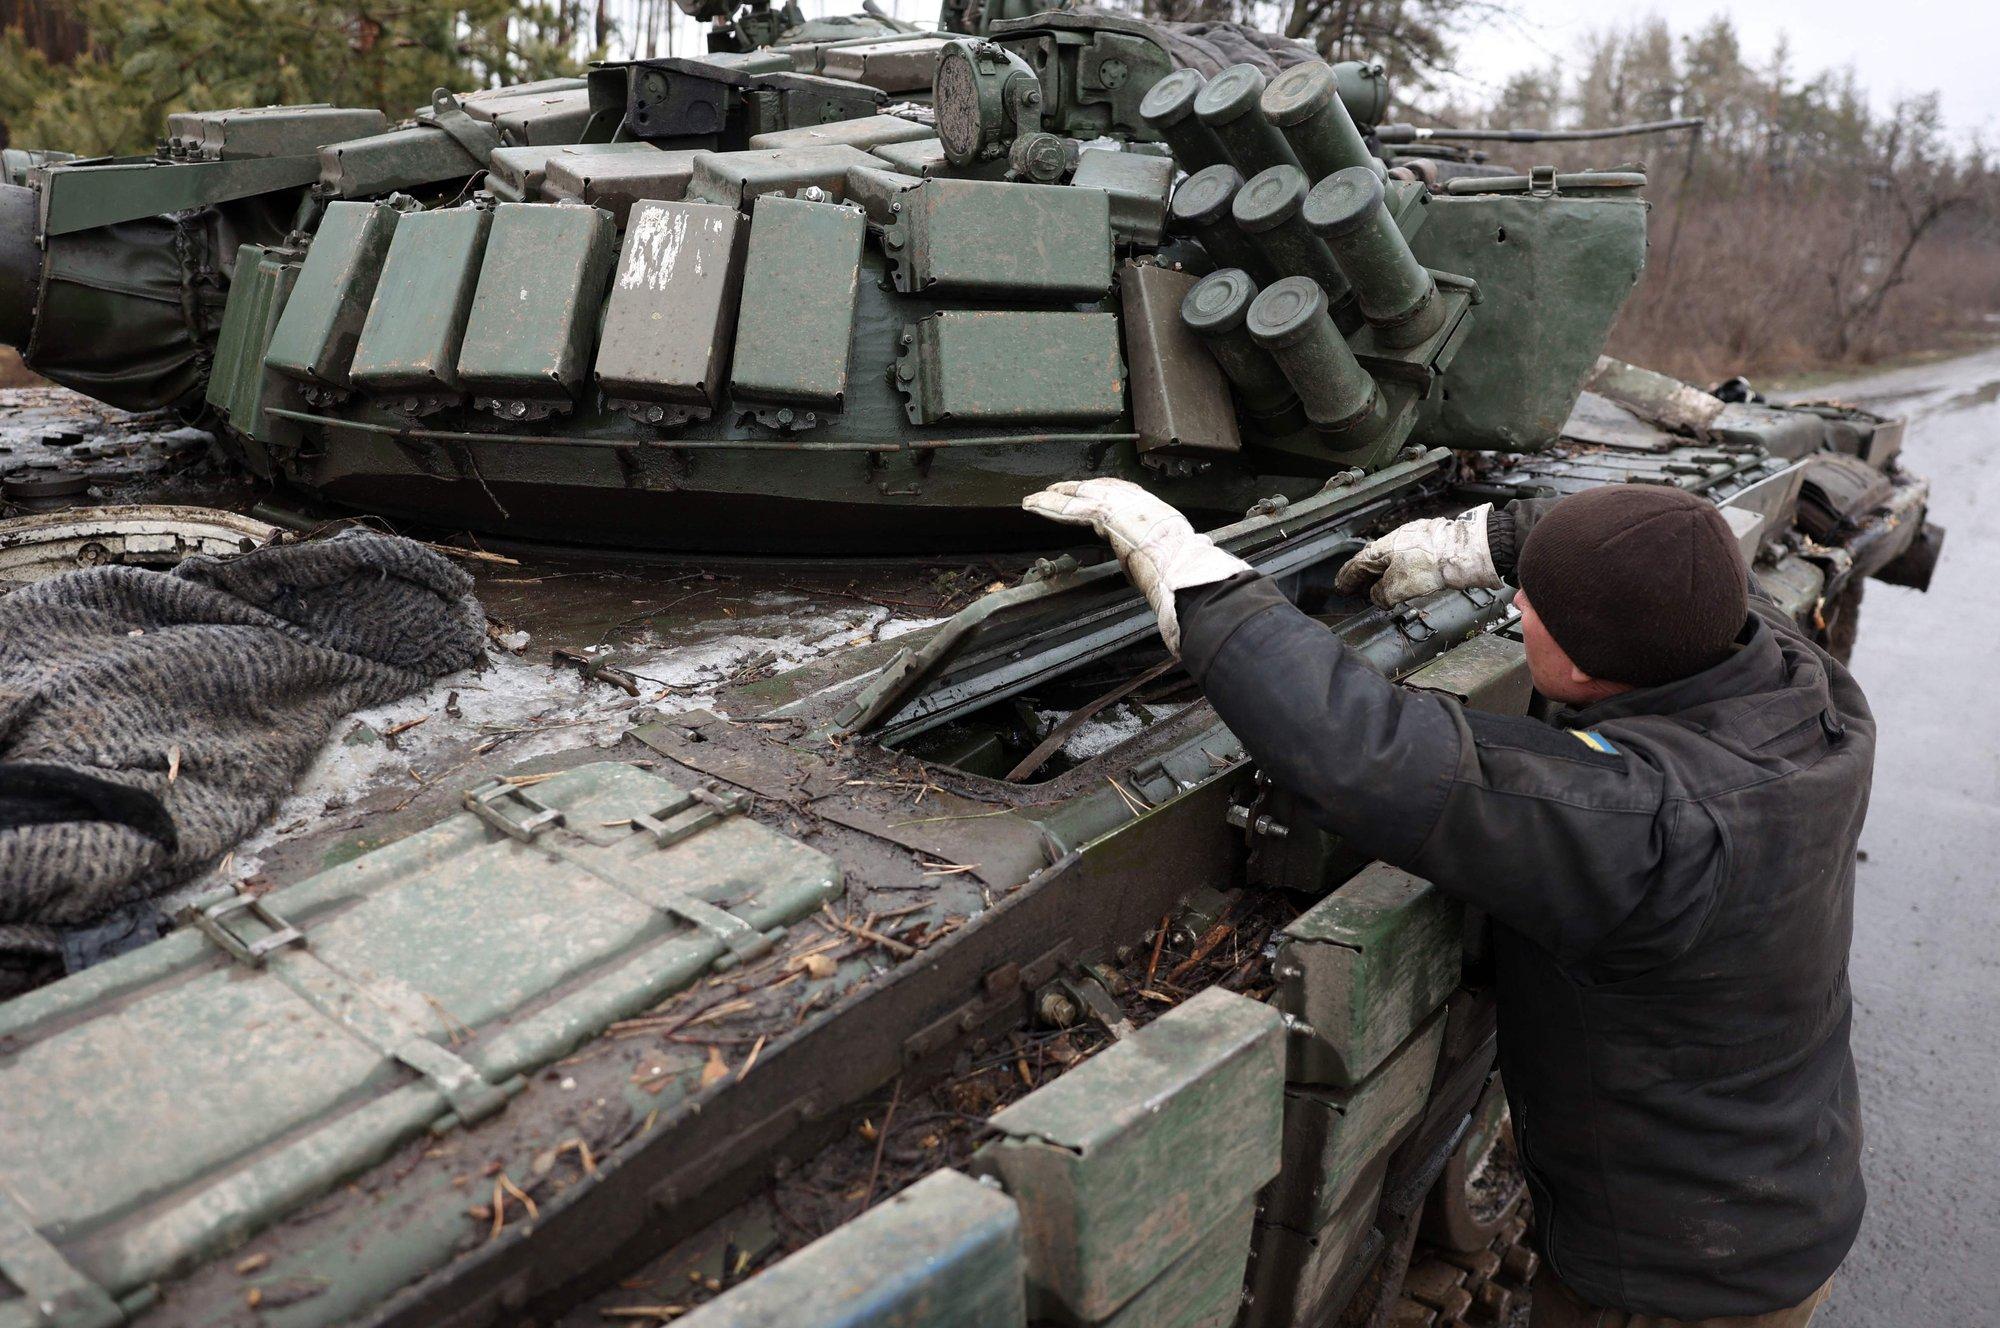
[{"x": 1668, "y": 862}]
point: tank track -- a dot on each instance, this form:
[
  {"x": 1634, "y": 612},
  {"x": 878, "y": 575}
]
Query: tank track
[{"x": 1487, "y": 1288}]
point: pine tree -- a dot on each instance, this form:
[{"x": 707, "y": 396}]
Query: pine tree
[{"x": 147, "y": 58}]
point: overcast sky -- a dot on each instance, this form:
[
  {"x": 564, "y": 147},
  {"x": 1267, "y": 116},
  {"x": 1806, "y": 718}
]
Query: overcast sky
[{"x": 1896, "y": 47}]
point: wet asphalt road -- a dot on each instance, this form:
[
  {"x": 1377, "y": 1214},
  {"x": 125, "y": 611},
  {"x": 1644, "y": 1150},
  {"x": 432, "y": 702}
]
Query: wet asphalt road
[{"x": 1926, "y": 966}]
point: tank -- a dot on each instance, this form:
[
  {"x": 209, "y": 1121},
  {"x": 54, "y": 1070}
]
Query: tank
[{"x": 966, "y": 974}]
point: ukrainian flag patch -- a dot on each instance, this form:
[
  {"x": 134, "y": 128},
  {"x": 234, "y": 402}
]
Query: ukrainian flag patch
[{"x": 1594, "y": 740}]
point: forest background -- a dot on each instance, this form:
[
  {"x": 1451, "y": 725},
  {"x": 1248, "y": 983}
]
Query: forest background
[{"x": 1799, "y": 229}]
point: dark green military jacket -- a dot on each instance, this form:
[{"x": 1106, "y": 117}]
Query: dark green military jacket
[{"x": 1671, "y": 876}]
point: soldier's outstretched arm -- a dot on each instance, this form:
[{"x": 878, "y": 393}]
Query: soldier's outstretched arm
[{"x": 1584, "y": 851}]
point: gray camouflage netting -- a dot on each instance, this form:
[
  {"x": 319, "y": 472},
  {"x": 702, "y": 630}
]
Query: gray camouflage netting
[{"x": 243, "y": 664}]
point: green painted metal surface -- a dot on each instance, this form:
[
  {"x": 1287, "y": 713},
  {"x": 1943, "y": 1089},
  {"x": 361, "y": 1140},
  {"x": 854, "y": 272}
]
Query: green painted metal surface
[
  {"x": 1000, "y": 365},
  {"x": 1364, "y": 967},
  {"x": 1489, "y": 672},
  {"x": 867, "y": 133},
  {"x": 614, "y": 176},
  {"x": 1180, "y": 400},
  {"x": 316, "y": 337},
  {"x": 1333, "y": 1136},
  {"x": 410, "y": 339},
  {"x": 534, "y": 314},
  {"x": 732, "y": 177},
  {"x": 243, "y": 386},
  {"x": 945, "y": 1253},
  {"x": 978, "y": 237},
  {"x": 795, "y": 324},
  {"x": 423, "y": 979},
  {"x": 1559, "y": 265},
  {"x": 83, "y": 196},
  {"x": 672, "y": 306},
  {"x": 1300, "y": 1279},
  {"x": 1138, "y": 185},
  {"x": 269, "y": 131},
  {"x": 1201, "y": 1289},
  {"x": 1128, "y": 1161}
]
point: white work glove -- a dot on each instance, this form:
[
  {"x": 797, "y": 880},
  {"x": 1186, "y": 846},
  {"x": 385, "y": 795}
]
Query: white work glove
[
  {"x": 1159, "y": 550},
  {"x": 1422, "y": 557}
]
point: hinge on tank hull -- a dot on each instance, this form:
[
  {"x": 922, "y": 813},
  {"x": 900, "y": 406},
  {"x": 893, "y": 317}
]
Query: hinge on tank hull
[
  {"x": 346, "y": 1001},
  {"x": 518, "y": 814}
]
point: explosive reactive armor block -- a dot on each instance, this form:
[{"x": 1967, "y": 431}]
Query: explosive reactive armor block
[
  {"x": 1363, "y": 968},
  {"x": 316, "y": 337},
  {"x": 1018, "y": 240},
  {"x": 1138, "y": 184},
  {"x": 945, "y": 1253},
  {"x": 795, "y": 325},
  {"x": 1298, "y": 1279},
  {"x": 732, "y": 177},
  {"x": 409, "y": 343},
  {"x": 528, "y": 339},
  {"x": 672, "y": 307},
  {"x": 241, "y": 385},
  {"x": 979, "y": 365},
  {"x": 1125, "y": 1163},
  {"x": 516, "y": 175},
  {"x": 1180, "y": 399},
  {"x": 615, "y": 181},
  {"x": 867, "y": 133},
  {"x": 1201, "y": 1289},
  {"x": 268, "y": 131},
  {"x": 1334, "y": 1135}
]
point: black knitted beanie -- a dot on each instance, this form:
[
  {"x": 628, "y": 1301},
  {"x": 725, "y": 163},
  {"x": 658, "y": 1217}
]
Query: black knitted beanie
[{"x": 1639, "y": 583}]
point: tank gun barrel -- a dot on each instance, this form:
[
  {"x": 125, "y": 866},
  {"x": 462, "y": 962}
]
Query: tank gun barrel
[{"x": 1407, "y": 133}]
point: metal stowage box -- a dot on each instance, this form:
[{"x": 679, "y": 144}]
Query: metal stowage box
[
  {"x": 983, "y": 237},
  {"x": 535, "y": 310},
  {"x": 410, "y": 341},
  {"x": 945, "y": 1253},
  {"x": 1136, "y": 1156},
  {"x": 978, "y": 365},
  {"x": 316, "y": 336},
  {"x": 796, "y": 323},
  {"x": 672, "y": 306}
]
